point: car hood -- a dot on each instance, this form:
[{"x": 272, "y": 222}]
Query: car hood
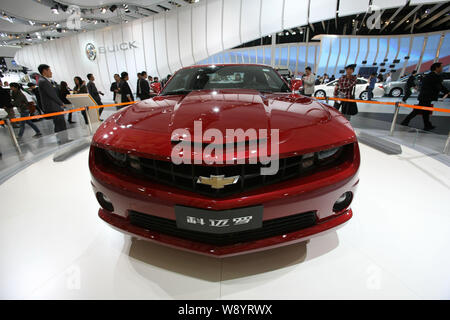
[{"x": 149, "y": 126}]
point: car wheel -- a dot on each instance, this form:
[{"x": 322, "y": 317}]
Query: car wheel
[
  {"x": 320, "y": 94},
  {"x": 396, "y": 92},
  {"x": 364, "y": 95}
]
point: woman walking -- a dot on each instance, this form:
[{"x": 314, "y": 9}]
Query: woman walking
[
  {"x": 63, "y": 92},
  {"x": 21, "y": 103}
]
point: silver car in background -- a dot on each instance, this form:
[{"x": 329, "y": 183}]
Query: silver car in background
[{"x": 397, "y": 88}]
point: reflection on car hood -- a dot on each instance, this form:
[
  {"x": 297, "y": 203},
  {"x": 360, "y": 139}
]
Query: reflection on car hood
[{"x": 147, "y": 126}]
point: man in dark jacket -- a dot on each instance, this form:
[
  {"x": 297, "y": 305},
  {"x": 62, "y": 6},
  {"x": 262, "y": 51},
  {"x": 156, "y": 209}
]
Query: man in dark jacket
[
  {"x": 48, "y": 90},
  {"x": 144, "y": 86},
  {"x": 411, "y": 83},
  {"x": 138, "y": 87},
  {"x": 429, "y": 92},
  {"x": 124, "y": 88},
  {"x": 95, "y": 94}
]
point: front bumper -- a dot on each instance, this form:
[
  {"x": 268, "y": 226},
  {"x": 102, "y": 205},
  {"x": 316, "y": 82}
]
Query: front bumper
[
  {"x": 316, "y": 193},
  {"x": 124, "y": 225}
]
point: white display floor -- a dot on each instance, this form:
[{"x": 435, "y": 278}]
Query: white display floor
[{"x": 53, "y": 245}]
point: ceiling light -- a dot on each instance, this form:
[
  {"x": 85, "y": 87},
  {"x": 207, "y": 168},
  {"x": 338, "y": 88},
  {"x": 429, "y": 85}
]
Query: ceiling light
[
  {"x": 55, "y": 9},
  {"x": 103, "y": 10},
  {"x": 31, "y": 22}
]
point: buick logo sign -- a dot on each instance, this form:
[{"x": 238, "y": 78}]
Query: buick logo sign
[{"x": 91, "y": 51}]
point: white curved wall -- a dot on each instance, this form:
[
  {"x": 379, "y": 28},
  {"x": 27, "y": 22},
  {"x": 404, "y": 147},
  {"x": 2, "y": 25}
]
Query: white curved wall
[{"x": 167, "y": 41}]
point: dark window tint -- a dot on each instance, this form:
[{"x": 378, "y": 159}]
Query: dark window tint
[{"x": 259, "y": 78}]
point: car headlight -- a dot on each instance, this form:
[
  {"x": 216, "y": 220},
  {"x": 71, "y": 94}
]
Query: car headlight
[
  {"x": 325, "y": 154},
  {"x": 117, "y": 157}
]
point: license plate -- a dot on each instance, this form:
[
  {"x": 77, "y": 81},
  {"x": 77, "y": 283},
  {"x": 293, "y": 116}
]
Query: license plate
[{"x": 219, "y": 222}]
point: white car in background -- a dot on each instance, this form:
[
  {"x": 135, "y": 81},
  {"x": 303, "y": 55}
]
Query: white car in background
[{"x": 327, "y": 90}]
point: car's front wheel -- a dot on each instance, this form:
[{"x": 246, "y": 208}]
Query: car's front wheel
[
  {"x": 364, "y": 95},
  {"x": 396, "y": 92},
  {"x": 320, "y": 94}
]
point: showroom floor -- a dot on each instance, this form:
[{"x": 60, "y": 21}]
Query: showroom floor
[{"x": 53, "y": 245}]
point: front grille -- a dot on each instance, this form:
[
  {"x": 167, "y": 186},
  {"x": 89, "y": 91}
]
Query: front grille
[
  {"x": 270, "y": 228},
  {"x": 185, "y": 176}
]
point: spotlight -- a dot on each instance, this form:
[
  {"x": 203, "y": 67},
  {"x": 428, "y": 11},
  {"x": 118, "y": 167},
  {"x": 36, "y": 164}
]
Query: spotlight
[
  {"x": 112, "y": 8},
  {"x": 31, "y": 22},
  {"x": 103, "y": 10}
]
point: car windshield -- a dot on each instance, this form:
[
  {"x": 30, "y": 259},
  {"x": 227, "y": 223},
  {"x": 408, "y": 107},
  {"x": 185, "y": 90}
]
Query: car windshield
[{"x": 260, "y": 78}]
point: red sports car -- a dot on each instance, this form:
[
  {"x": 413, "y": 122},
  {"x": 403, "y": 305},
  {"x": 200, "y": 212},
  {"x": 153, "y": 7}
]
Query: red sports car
[{"x": 217, "y": 202}]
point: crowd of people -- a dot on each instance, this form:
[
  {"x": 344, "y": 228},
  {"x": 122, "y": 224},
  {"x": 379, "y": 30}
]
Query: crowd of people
[
  {"x": 50, "y": 97},
  {"x": 429, "y": 88}
]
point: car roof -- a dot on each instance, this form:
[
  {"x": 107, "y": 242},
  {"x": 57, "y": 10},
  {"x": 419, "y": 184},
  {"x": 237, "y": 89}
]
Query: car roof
[{"x": 227, "y": 64}]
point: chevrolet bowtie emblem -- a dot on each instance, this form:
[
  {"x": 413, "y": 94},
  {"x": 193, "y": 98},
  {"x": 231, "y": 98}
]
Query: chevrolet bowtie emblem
[{"x": 218, "y": 182}]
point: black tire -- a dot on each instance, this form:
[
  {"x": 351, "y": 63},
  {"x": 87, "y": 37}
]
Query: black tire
[
  {"x": 361, "y": 95},
  {"x": 396, "y": 92},
  {"x": 322, "y": 92}
]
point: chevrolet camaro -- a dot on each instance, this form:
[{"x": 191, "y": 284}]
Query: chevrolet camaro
[{"x": 210, "y": 192}]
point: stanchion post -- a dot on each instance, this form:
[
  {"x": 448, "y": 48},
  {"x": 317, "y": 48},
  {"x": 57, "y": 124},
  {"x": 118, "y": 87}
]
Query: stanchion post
[
  {"x": 394, "y": 120},
  {"x": 86, "y": 109},
  {"x": 326, "y": 99},
  {"x": 447, "y": 144},
  {"x": 13, "y": 136}
]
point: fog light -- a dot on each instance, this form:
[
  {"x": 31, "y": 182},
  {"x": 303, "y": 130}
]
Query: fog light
[
  {"x": 307, "y": 160},
  {"x": 135, "y": 162},
  {"x": 343, "y": 202},
  {"x": 104, "y": 202}
]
